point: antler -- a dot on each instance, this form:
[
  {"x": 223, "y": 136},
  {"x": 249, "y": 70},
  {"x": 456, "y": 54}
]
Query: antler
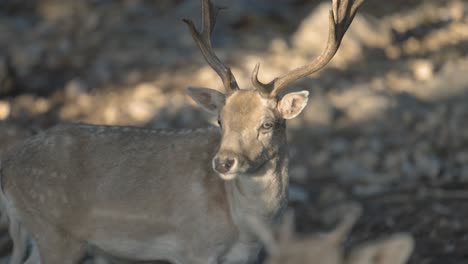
[
  {"x": 341, "y": 16},
  {"x": 203, "y": 40}
]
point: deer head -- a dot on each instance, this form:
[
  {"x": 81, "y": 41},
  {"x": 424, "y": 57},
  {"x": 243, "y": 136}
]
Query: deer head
[
  {"x": 253, "y": 120},
  {"x": 326, "y": 248}
]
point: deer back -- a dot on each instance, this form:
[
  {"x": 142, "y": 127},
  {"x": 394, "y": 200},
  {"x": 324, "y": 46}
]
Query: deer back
[{"x": 84, "y": 178}]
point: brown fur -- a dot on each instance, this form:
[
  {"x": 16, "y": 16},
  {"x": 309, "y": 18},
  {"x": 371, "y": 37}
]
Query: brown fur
[{"x": 147, "y": 195}]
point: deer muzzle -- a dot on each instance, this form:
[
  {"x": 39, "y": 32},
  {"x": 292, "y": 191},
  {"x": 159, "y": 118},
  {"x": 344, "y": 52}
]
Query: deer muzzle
[{"x": 226, "y": 164}]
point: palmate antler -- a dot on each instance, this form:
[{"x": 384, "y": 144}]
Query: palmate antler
[{"x": 341, "y": 16}]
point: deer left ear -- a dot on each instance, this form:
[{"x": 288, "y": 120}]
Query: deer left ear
[
  {"x": 211, "y": 100},
  {"x": 292, "y": 104}
]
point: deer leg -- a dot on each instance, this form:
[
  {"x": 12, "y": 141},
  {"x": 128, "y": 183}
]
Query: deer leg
[
  {"x": 242, "y": 253},
  {"x": 4, "y": 222},
  {"x": 33, "y": 257},
  {"x": 102, "y": 260},
  {"x": 20, "y": 239},
  {"x": 57, "y": 248}
]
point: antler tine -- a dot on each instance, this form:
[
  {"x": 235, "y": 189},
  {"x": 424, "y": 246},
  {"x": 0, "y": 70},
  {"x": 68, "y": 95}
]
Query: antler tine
[
  {"x": 262, "y": 87},
  {"x": 203, "y": 40},
  {"x": 340, "y": 17}
]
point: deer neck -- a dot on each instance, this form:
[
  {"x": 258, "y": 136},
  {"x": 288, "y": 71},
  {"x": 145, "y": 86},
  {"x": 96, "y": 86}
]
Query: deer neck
[{"x": 261, "y": 195}]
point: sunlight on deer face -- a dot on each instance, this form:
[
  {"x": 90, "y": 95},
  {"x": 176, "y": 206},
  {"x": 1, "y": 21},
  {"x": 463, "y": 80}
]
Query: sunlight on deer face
[{"x": 253, "y": 127}]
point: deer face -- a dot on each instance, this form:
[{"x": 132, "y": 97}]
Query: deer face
[{"x": 253, "y": 127}]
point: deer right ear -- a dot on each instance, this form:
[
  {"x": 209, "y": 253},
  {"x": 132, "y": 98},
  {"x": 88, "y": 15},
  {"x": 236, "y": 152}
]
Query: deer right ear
[{"x": 211, "y": 100}]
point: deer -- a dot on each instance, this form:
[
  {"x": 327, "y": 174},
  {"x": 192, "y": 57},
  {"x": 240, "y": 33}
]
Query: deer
[
  {"x": 326, "y": 248},
  {"x": 176, "y": 195}
]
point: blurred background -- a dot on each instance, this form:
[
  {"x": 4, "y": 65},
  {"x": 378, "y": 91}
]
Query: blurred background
[{"x": 386, "y": 124}]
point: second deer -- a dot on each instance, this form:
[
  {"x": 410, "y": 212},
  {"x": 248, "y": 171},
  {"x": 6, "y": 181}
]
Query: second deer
[
  {"x": 145, "y": 195},
  {"x": 328, "y": 248}
]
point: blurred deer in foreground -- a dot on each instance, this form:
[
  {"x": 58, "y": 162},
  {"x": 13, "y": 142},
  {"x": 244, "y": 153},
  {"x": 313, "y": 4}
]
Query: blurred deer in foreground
[
  {"x": 327, "y": 248},
  {"x": 181, "y": 196}
]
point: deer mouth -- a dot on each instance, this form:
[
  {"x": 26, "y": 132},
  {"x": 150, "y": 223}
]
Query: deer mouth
[
  {"x": 242, "y": 166},
  {"x": 228, "y": 176}
]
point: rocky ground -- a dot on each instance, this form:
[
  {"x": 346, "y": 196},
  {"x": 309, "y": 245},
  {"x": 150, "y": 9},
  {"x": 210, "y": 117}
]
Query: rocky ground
[{"x": 386, "y": 124}]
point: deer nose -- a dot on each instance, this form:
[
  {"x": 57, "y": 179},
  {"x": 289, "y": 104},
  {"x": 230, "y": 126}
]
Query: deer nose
[{"x": 224, "y": 165}]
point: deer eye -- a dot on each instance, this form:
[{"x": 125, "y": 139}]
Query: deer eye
[{"x": 267, "y": 125}]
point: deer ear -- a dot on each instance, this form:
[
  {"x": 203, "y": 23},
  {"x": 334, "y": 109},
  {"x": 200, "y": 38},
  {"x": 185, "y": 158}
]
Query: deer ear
[
  {"x": 394, "y": 250},
  {"x": 350, "y": 214},
  {"x": 292, "y": 104},
  {"x": 211, "y": 100}
]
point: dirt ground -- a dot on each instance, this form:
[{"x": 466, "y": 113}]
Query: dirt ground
[{"x": 386, "y": 124}]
